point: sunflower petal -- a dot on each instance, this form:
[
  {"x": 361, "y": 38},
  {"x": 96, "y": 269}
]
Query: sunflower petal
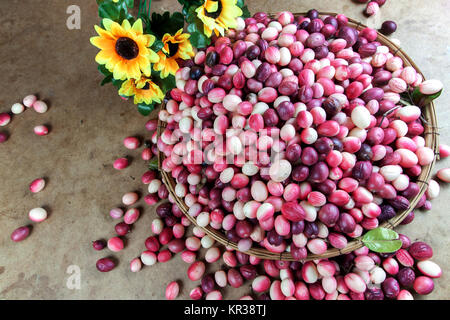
[
  {"x": 146, "y": 69},
  {"x": 150, "y": 39},
  {"x": 172, "y": 66},
  {"x": 119, "y": 72},
  {"x": 211, "y": 6},
  {"x": 166, "y": 38},
  {"x": 184, "y": 36},
  {"x": 152, "y": 56},
  {"x": 141, "y": 83},
  {"x": 137, "y": 27},
  {"x": 104, "y": 44},
  {"x": 94, "y": 41},
  {"x": 158, "y": 66},
  {"x": 127, "y": 88},
  {"x": 207, "y": 31},
  {"x": 102, "y": 32},
  {"x": 133, "y": 70},
  {"x": 117, "y": 30},
  {"x": 102, "y": 57},
  {"x": 107, "y": 23},
  {"x": 126, "y": 24}
]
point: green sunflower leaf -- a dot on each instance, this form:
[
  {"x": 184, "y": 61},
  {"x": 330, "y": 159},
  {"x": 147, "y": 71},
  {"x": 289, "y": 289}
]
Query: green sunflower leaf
[
  {"x": 159, "y": 24},
  {"x": 168, "y": 83},
  {"x": 189, "y": 3},
  {"x": 117, "y": 83},
  {"x": 382, "y": 240},
  {"x": 240, "y": 3},
  {"x": 153, "y": 163},
  {"x": 109, "y": 10},
  {"x": 245, "y": 12},
  {"x": 104, "y": 1},
  {"x": 147, "y": 25},
  {"x": 124, "y": 15},
  {"x": 191, "y": 28},
  {"x": 191, "y": 15},
  {"x": 145, "y": 109},
  {"x": 421, "y": 99},
  {"x": 199, "y": 40},
  {"x": 157, "y": 45},
  {"x": 129, "y": 3},
  {"x": 177, "y": 21},
  {"x": 166, "y": 16},
  {"x": 103, "y": 70},
  {"x": 185, "y": 11},
  {"x": 155, "y": 75},
  {"x": 106, "y": 80}
]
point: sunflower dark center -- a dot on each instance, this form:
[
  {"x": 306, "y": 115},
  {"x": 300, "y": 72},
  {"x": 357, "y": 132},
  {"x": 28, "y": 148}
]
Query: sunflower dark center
[
  {"x": 127, "y": 48},
  {"x": 173, "y": 49},
  {"x": 214, "y": 15}
]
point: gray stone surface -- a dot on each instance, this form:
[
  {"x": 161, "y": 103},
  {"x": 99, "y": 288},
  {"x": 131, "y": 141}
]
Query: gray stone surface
[{"x": 40, "y": 55}]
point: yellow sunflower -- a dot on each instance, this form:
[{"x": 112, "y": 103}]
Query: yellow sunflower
[
  {"x": 144, "y": 90},
  {"x": 218, "y": 15},
  {"x": 175, "y": 47},
  {"x": 124, "y": 49}
]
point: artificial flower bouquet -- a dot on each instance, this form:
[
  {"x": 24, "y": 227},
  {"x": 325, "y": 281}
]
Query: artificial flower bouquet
[{"x": 140, "y": 54}]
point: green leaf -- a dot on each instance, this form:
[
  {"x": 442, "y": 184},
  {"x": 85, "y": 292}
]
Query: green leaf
[
  {"x": 153, "y": 164},
  {"x": 191, "y": 15},
  {"x": 177, "y": 21},
  {"x": 195, "y": 26},
  {"x": 157, "y": 45},
  {"x": 103, "y": 70},
  {"x": 116, "y": 11},
  {"x": 191, "y": 28},
  {"x": 125, "y": 15},
  {"x": 189, "y": 3},
  {"x": 416, "y": 95},
  {"x": 117, "y": 83},
  {"x": 99, "y": 2},
  {"x": 244, "y": 8},
  {"x": 145, "y": 109},
  {"x": 184, "y": 11},
  {"x": 168, "y": 83},
  {"x": 161, "y": 24},
  {"x": 405, "y": 102},
  {"x": 158, "y": 24},
  {"x": 240, "y": 3},
  {"x": 382, "y": 240},
  {"x": 109, "y": 10},
  {"x": 199, "y": 40},
  {"x": 421, "y": 99},
  {"x": 106, "y": 80},
  {"x": 245, "y": 12}
]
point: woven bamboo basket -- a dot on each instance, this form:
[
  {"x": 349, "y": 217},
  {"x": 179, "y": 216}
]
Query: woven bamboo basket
[{"x": 431, "y": 136}]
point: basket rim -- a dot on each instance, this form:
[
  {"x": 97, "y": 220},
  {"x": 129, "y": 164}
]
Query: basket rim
[{"x": 430, "y": 134}]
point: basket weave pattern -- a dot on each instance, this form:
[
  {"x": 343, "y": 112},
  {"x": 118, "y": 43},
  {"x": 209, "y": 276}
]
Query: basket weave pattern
[{"x": 431, "y": 137}]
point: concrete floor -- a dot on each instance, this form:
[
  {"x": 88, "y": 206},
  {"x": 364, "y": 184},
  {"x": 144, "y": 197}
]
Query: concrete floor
[{"x": 40, "y": 55}]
